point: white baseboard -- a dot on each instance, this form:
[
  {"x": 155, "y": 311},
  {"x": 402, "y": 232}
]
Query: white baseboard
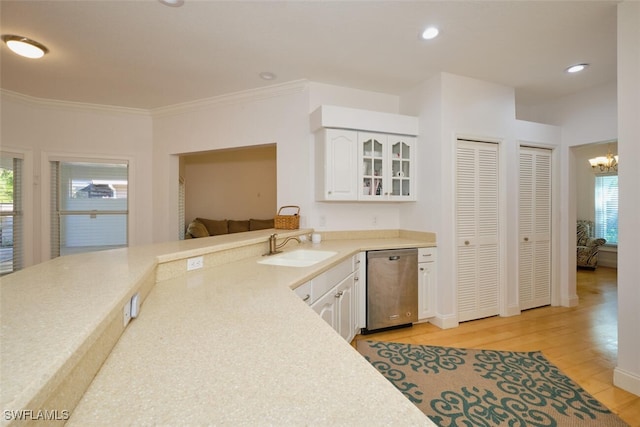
[
  {"x": 512, "y": 311},
  {"x": 571, "y": 301},
  {"x": 445, "y": 322},
  {"x": 626, "y": 381}
]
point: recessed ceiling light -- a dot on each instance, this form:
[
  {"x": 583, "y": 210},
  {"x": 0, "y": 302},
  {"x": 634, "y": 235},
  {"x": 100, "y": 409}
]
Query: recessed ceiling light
[
  {"x": 430, "y": 33},
  {"x": 172, "y": 3},
  {"x": 267, "y": 75},
  {"x": 576, "y": 68},
  {"x": 24, "y": 46}
]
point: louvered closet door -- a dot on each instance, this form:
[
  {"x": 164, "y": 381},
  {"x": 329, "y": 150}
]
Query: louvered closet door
[
  {"x": 534, "y": 223},
  {"x": 477, "y": 226}
]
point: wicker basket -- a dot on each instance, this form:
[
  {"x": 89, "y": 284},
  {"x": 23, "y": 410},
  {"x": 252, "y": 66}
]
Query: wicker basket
[{"x": 287, "y": 222}]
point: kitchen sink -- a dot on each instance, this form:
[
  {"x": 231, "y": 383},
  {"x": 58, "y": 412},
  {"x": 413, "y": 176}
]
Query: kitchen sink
[{"x": 297, "y": 258}]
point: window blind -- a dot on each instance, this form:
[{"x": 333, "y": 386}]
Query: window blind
[
  {"x": 89, "y": 206},
  {"x": 11, "y": 214},
  {"x": 606, "y": 204}
]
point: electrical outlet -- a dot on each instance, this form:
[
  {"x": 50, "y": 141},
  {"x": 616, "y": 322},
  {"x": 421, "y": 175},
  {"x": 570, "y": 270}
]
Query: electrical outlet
[
  {"x": 323, "y": 221},
  {"x": 195, "y": 263},
  {"x": 374, "y": 220},
  {"x": 126, "y": 313}
]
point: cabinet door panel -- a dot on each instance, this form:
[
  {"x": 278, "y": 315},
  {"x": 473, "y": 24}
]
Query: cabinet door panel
[
  {"x": 336, "y": 169},
  {"x": 345, "y": 296},
  {"x": 426, "y": 289},
  {"x": 326, "y": 307},
  {"x": 372, "y": 167}
]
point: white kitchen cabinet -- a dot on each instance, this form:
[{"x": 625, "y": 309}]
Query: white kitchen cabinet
[
  {"x": 362, "y": 166},
  {"x": 339, "y": 306},
  {"x": 427, "y": 273},
  {"x": 386, "y": 169},
  {"x": 336, "y": 165},
  {"x": 359, "y": 296},
  {"x": 327, "y": 308},
  {"x": 304, "y": 292}
]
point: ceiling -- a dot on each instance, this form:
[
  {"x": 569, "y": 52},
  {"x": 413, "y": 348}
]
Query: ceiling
[{"x": 143, "y": 54}]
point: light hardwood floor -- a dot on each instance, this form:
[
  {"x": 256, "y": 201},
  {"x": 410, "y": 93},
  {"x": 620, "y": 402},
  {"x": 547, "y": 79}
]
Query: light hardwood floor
[{"x": 582, "y": 341}]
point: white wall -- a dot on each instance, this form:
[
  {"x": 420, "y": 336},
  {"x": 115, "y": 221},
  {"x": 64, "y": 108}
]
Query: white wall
[
  {"x": 627, "y": 372},
  {"x": 276, "y": 115},
  {"x": 48, "y": 129},
  {"x": 449, "y": 107}
]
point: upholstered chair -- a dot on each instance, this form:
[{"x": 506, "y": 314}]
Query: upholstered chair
[{"x": 588, "y": 245}]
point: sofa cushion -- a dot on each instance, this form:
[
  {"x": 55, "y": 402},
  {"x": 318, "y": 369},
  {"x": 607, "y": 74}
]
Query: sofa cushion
[
  {"x": 215, "y": 227},
  {"x": 197, "y": 229},
  {"x": 260, "y": 224},
  {"x": 238, "y": 226}
]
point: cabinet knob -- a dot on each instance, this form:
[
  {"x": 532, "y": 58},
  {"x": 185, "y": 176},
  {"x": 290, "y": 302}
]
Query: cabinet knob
[
  {"x": 306, "y": 297},
  {"x": 466, "y": 242},
  {"x": 526, "y": 239},
  {"x": 421, "y": 268},
  {"x": 329, "y": 192},
  {"x": 339, "y": 294}
]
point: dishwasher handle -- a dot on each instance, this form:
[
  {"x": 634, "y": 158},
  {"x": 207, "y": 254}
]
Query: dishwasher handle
[{"x": 394, "y": 258}]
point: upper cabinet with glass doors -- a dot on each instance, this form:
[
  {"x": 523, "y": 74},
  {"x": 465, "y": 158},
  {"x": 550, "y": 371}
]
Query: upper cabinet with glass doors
[
  {"x": 364, "y": 155},
  {"x": 386, "y": 167}
]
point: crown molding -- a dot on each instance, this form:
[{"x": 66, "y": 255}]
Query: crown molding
[
  {"x": 251, "y": 95},
  {"x": 70, "y": 105}
]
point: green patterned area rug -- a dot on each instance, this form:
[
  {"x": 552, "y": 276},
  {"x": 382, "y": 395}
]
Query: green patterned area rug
[{"x": 464, "y": 387}]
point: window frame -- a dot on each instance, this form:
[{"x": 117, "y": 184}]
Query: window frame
[{"x": 598, "y": 232}]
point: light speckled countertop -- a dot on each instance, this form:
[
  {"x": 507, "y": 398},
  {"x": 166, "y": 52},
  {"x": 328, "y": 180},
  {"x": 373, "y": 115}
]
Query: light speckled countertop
[{"x": 230, "y": 344}]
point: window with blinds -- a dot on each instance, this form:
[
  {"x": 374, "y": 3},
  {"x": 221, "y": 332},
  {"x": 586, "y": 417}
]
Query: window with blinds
[
  {"x": 89, "y": 206},
  {"x": 606, "y": 203},
  {"x": 11, "y": 215}
]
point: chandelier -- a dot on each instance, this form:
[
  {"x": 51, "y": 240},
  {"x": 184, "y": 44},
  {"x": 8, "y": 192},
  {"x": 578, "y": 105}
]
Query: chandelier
[{"x": 605, "y": 164}]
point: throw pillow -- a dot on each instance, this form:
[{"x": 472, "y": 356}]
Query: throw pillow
[
  {"x": 238, "y": 226},
  {"x": 215, "y": 227},
  {"x": 197, "y": 229}
]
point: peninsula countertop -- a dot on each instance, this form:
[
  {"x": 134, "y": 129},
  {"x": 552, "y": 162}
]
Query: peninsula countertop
[{"x": 234, "y": 345}]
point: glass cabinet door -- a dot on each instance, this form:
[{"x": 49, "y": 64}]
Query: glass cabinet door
[
  {"x": 372, "y": 167},
  {"x": 400, "y": 169}
]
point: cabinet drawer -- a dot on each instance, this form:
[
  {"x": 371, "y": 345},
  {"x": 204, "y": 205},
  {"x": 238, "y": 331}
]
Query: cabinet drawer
[
  {"x": 427, "y": 254},
  {"x": 304, "y": 292},
  {"x": 321, "y": 284}
]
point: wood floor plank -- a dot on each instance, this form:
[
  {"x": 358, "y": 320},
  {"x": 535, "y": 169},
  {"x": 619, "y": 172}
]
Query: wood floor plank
[{"x": 581, "y": 340}]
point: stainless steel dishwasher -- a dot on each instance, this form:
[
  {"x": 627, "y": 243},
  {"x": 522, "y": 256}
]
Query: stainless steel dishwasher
[{"x": 392, "y": 289}]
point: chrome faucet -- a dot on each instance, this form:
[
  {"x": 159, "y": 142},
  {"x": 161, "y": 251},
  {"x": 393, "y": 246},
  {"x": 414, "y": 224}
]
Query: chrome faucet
[{"x": 273, "y": 248}]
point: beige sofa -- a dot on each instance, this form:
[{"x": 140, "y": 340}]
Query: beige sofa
[{"x": 203, "y": 227}]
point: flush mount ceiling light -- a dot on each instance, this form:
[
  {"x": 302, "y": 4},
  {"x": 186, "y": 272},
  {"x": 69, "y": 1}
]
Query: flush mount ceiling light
[
  {"x": 576, "y": 68},
  {"x": 172, "y": 3},
  {"x": 24, "y": 46},
  {"x": 430, "y": 33},
  {"x": 267, "y": 75}
]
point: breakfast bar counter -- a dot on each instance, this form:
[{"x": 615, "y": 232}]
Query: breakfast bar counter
[{"x": 229, "y": 344}]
